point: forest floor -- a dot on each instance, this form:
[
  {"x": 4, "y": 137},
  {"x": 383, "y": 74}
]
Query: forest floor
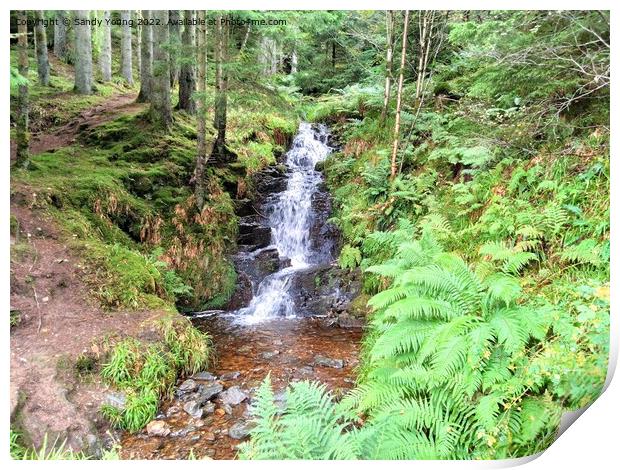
[
  {"x": 123, "y": 103},
  {"x": 57, "y": 326}
]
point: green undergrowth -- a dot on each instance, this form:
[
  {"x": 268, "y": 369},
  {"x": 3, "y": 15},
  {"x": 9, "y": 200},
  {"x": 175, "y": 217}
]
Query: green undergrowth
[
  {"x": 123, "y": 194},
  {"x": 146, "y": 372}
]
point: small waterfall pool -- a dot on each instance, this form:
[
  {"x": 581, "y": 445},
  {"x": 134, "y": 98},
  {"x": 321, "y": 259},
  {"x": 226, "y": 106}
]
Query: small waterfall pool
[{"x": 290, "y": 218}]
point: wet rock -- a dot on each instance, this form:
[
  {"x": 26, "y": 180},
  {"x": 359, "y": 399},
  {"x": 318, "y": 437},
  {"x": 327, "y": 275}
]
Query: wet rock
[
  {"x": 270, "y": 354},
  {"x": 209, "y": 437},
  {"x": 243, "y": 293},
  {"x": 193, "y": 408},
  {"x": 209, "y": 408},
  {"x": 259, "y": 236},
  {"x": 204, "y": 376},
  {"x": 244, "y": 207},
  {"x": 239, "y": 430},
  {"x": 183, "y": 432},
  {"x": 328, "y": 362},
  {"x": 227, "y": 409},
  {"x": 233, "y": 396},
  {"x": 206, "y": 392},
  {"x": 324, "y": 236},
  {"x": 188, "y": 386},
  {"x": 324, "y": 289},
  {"x": 267, "y": 261},
  {"x": 271, "y": 180},
  {"x": 230, "y": 375},
  {"x": 158, "y": 428}
]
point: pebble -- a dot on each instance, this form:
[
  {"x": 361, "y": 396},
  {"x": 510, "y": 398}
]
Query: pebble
[
  {"x": 328, "y": 362},
  {"x": 233, "y": 396},
  {"x": 158, "y": 428}
]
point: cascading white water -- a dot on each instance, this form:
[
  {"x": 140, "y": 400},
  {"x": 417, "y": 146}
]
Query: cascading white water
[{"x": 290, "y": 218}]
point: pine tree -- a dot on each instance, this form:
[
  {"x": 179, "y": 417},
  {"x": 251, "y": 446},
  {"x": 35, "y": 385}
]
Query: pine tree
[
  {"x": 160, "y": 111},
  {"x": 83, "y": 54},
  {"x": 126, "y": 47},
  {"x": 187, "y": 73},
  {"x": 146, "y": 62},
  {"x": 21, "y": 111},
  {"x": 105, "y": 57},
  {"x": 201, "y": 111},
  {"x": 60, "y": 35},
  {"x": 43, "y": 65}
]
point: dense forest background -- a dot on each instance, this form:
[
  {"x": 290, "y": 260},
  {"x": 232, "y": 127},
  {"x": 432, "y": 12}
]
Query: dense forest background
[{"x": 470, "y": 186}]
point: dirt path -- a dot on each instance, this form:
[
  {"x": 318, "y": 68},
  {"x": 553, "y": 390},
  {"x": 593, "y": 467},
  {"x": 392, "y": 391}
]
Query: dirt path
[{"x": 87, "y": 119}]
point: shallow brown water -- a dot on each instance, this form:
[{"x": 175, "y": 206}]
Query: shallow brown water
[{"x": 240, "y": 349}]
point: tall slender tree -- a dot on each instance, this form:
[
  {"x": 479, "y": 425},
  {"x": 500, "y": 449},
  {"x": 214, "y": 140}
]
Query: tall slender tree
[
  {"x": 187, "y": 72},
  {"x": 146, "y": 62},
  {"x": 175, "y": 44},
  {"x": 201, "y": 111},
  {"x": 105, "y": 57},
  {"x": 399, "y": 97},
  {"x": 21, "y": 112},
  {"x": 60, "y": 35},
  {"x": 160, "y": 111},
  {"x": 221, "y": 83},
  {"x": 83, "y": 54},
  {"x": 389, "y": 54},
  {"x": 126, "y": 65},
  {"x": 43, "y": 65}
]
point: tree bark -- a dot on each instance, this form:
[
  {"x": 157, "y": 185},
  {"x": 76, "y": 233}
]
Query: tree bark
[
  {"x": 399, "y": 96},
  {"x": 60, "y": 36},
  {"x": 43, "y": 65},
  {"x": 146, "y": 62},
  {"x": 160, "y": 111},
  {"x": 21, "y": 112},
  {"x": 105, "y": 58},
  {"x": 175, "y": 43},
  {"x": 221, "y": 82},
  {"x": 187, "y": 72},
  {"x": 201, "y": 110},
  {"x": 126, "y": 65},
  {"x": 389, "y": 58},
  {"x": 83, "y": 55}
]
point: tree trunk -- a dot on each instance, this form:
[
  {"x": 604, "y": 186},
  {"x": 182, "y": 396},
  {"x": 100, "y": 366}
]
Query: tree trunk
[
  {"x": 105, "y": 58},
  {"x": 294, "y": 61},
  {"x": 187, "y": 72},
  {"x": 126, "y": 71},
  {"x": 60, "y": 35},
  {"x": 160, "y": 111},
  {"x": 83, "y": 55},
  {"x": 425, "y": 27},
  {"x": 399, "y": 96},
  {"x": 175, "y": 44},
  {"x": 138, "y": 43},
  {"x": 388, "y": 63},
  {"x": 201, "y": 110},
  {"x": 21, "y": 111},
  {"x": 43, "y": 65},
  {"x": 146, "y": 62},
  {"x": 221, "y": 82}
]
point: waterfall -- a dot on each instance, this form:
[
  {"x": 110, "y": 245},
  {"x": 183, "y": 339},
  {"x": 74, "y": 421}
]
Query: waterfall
[{"x": 290, "y": 218}]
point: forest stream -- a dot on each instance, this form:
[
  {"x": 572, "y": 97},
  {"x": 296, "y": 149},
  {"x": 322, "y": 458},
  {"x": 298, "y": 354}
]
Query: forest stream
[{"x": 275, "y": 331}]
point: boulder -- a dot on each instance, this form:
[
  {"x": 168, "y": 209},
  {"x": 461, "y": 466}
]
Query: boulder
[{"x": 230, "y": 375}]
